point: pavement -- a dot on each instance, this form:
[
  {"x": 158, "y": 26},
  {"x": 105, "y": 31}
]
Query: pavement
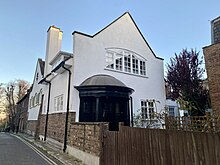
[{"x": 52, "y": 151}]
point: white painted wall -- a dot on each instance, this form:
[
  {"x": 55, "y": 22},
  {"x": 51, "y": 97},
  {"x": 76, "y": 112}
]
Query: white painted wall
[
  {"x": 90, "y": 55},
  {"x": 59, "y": 86},
  {"x": 34, "y": 111}
]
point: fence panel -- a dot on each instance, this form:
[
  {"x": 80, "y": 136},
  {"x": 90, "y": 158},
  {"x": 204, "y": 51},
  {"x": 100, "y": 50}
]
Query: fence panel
[{"x": 138, "y": 146}]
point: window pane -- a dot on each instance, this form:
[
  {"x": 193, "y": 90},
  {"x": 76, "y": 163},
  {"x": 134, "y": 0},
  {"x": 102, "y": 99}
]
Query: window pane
[
  {"x": 151, "y": 109},
  {"x": 127, "y": 63},
  {"x": 118, "y": 62},
  {"x": 135, "y": 65},
  {"x": 142, "y": 68},
  {"x": 171, "y": 111},
  {"x": 110, "y": 60}
]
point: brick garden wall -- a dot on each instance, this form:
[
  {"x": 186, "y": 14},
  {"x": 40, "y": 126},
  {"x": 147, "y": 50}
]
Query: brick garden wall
[
  {"x": 31, "y": 127},
  {"x": 87, "y": 137},
  {"x": 212, "y": 60},
  {"x": 42, "y": 124},
  {"x": 56, "y": 125}
]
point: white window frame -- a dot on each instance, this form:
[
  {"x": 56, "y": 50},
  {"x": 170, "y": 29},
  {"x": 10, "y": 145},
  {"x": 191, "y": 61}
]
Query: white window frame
[
  {"x": 58, "y": 103},
  {"x": 171, "y": 110},
  {"x": 148, "y": 109},
  {"x": 126, "y": 61}
]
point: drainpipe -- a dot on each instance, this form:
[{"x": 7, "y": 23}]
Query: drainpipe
[
  {"x": 48, "y": 108},
  {"x": 67, "y": 110},
  {"x": 132, "y": 118},
  {"x": 48, "y": 104}
]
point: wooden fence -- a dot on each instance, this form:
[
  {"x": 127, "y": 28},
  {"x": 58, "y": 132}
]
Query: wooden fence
[{"x": 138, "y": 146}]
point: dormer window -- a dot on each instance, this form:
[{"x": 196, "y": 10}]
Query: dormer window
[
  {"x": 61, "y": 57},
  {"x": 125, "y": 61}
]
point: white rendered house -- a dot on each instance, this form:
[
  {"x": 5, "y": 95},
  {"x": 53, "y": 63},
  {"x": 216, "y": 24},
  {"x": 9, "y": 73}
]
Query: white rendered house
[
  {"x": 35, "y": 99},
  {"x": 109, "y": 76},
  {"x": 119, "y": 50}
]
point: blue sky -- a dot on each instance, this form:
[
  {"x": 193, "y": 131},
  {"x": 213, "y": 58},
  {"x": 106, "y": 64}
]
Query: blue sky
[{"x": 167, "y": 25}]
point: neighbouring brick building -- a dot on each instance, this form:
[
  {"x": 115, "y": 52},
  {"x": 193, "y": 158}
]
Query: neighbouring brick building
[
  {"x": 22, "y": 115},
  {"x": 212, "y": 60}
]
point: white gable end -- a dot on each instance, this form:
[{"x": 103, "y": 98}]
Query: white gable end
[
  {"x": 35, "y": 94},
  {"x": 91, "y": 58},
  {"x": 125, "y": 34}
]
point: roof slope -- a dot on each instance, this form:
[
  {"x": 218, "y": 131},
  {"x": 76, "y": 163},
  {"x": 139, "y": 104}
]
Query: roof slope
[
  {"x": 126, "y": 13},
  {"x": 102, "y": 80}
]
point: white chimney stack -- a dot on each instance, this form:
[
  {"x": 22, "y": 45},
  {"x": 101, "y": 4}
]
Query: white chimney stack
[{"x": 54, "y": 43}]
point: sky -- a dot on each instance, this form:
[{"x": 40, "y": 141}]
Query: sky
[{"x": 168, "y": 26}]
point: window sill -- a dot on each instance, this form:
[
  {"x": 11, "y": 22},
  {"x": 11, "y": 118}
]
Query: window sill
[{"x": 137, "y": 75}]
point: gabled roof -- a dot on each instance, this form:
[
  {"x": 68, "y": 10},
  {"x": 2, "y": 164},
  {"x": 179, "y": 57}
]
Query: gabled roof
[
  {"x": 91, "y": 36},
  {"x": 26, "y": 95}
]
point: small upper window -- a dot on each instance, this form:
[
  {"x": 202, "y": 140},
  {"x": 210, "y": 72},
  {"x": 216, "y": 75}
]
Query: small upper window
[{"x": 37, "y": 76}]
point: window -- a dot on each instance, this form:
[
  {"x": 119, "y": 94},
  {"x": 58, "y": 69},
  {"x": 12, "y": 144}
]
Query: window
[
  {"x": 33, "y": 98},
  {"x": 37, "y": 76},
  {"x": 142, "y": 68},
  {"x": 135, "y": 65},
  {"x": 144, "y": 110},
  {"x": 125, "y": 61},
  {"x": 37, "y": 98},
  {"x": 151, "y": 109},
  {"x": 118, "y": 62},
  {"x": 147, "y": 109},
  {"x": 58, "y": 103},
  {"x": 31, "y": 102},
  {"x": 171, "y": 111},
  {"x": 110, "y": 60}
]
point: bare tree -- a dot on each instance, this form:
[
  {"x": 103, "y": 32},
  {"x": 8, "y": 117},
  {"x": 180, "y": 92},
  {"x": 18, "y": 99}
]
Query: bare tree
[
  {"x": 23, "y": 86},
  {"x": 14, "y": 91}
]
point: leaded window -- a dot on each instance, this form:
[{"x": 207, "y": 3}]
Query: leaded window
[
  {"x": 142, "y": 68},
  {"x": 135, "y": 65},
  {"x": 147, "y": 109},
  {"x": 125, "y": 61},
  {"x": 58, "y": 103}
]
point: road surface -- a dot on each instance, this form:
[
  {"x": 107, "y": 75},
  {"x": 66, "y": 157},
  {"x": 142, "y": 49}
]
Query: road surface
[{"x": 14, "y": 151}]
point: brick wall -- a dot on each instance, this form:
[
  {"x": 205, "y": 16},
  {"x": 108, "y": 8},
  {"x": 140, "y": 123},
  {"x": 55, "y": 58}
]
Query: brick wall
[
  {"x": 42, "y": 124},
  {"x": 87, "y": 137},
  {"x": 56, "y": 125},
  {"x": 31, "y": 127},
  {"x": 212, "y": 60}
]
